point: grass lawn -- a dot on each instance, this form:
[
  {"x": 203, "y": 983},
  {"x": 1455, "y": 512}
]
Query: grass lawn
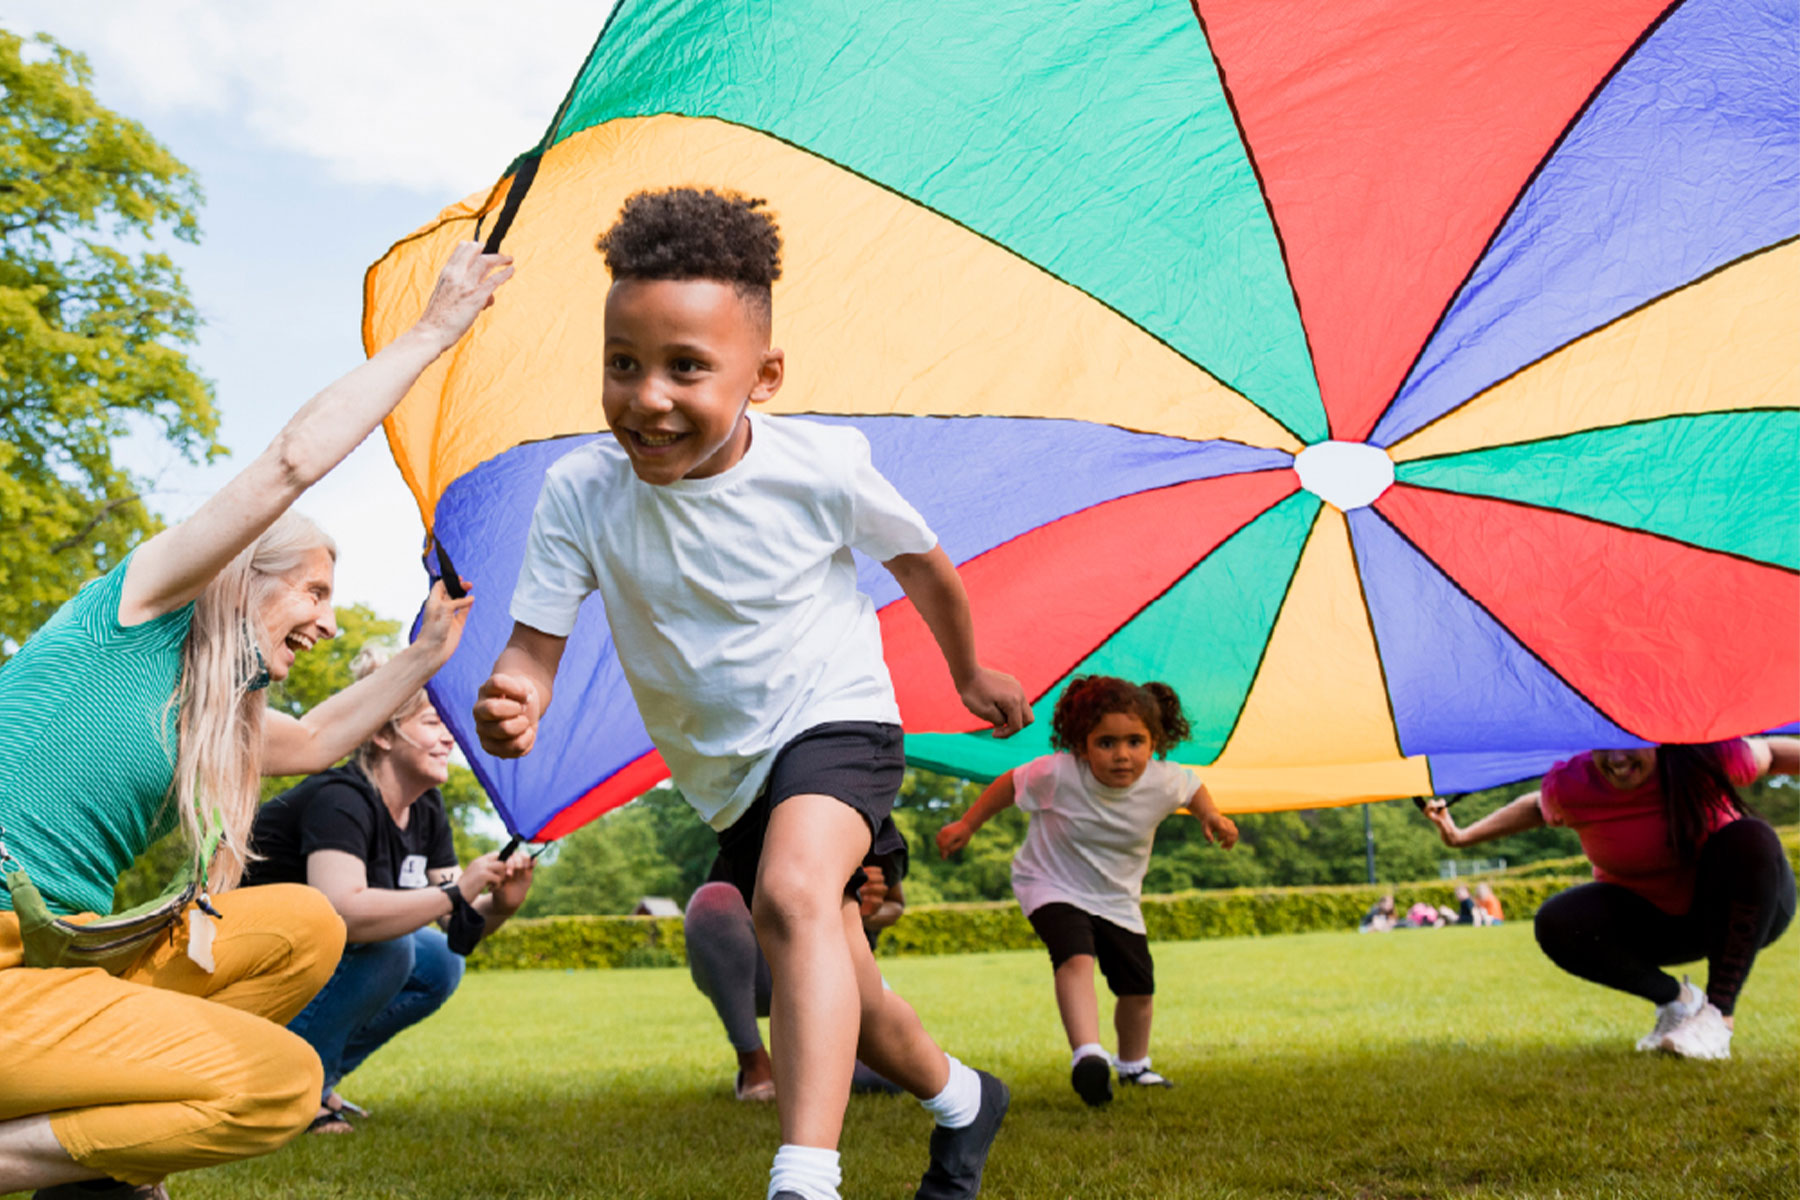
[{"x": 1454, "y": 1063}]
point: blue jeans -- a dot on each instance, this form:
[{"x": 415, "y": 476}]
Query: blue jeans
[{"x": 378, "y": 989}]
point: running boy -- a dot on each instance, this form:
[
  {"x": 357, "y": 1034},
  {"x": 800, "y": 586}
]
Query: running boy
[
  {"x": 719, "y": 540},
  {"x": 1094, "y": 809}
]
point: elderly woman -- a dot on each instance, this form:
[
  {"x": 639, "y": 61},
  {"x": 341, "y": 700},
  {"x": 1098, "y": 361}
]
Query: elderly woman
[
  {"x": 372, "y": 835},
  {"x": 1682, "y": 871},
  {"x": 135, "y": 710}
]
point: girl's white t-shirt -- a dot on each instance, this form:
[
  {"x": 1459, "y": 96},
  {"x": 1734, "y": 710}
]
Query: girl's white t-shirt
[
  {"x": 1088, "y": 844},
  {"x": 732, "y": 600}
]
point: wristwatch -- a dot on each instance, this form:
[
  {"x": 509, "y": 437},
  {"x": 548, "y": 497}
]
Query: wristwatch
[
  {"x": 466, "y": 924},
  {"x": 457, "y": 899}
]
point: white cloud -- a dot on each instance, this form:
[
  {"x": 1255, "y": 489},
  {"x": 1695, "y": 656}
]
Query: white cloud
[{"x": 435, "y": 95}]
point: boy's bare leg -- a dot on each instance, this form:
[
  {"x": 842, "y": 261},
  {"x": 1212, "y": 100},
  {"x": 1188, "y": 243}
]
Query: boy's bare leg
[
  {"x": 1131, "y": 1019},
  {"x": 894, "y": 1041},
  {"x": 813, "y": 846},
  {"x": 1076, "y": 1001}
]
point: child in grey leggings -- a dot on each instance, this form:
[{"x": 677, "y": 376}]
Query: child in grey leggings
[{"x": 730, "y": 970}]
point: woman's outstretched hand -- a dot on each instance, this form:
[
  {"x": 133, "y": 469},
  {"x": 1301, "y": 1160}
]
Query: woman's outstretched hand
[
  {"x": 1438, "y": 813},
  {"x": 464, "y": 288},
  {"x": 441, "y": 628}
]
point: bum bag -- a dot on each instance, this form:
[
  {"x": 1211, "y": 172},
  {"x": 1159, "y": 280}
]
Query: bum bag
[{"x": 112, "y": 943}]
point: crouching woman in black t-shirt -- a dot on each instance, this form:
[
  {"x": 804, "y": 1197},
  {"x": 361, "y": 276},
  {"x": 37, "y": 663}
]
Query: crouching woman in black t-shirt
[{"x": 373, "y": 836}]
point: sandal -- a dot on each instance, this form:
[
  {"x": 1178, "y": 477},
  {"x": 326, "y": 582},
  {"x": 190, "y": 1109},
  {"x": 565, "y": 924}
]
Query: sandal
[
  {"x": 756, "y": 1093},
  {"x": 330, "y": 1122},
  {"x": 342, "y": 1105}
]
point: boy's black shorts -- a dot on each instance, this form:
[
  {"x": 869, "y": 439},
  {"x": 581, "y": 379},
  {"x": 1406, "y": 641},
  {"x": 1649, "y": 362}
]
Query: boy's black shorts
[
  {"x": 1124, "y": 956},
  {"x": 858, "y": 762}
]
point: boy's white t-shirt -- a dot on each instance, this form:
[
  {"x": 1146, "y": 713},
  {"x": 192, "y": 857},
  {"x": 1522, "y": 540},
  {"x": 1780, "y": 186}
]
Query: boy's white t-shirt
[
  {"x": 732, "y": 600},
  {"x": 1088, "y": 844}
]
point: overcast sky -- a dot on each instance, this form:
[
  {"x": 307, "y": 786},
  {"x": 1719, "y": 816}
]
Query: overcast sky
[{"x": 322, "y": 132}]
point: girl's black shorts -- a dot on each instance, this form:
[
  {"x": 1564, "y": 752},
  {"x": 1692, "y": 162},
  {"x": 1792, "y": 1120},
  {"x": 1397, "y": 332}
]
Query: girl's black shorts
[{"x": 1124, "y": 956}]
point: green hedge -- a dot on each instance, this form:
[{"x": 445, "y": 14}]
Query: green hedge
[
  {"x": 1194, "y": 916},
  {"x": 579, "y": 942},
  {"x": 568, "y": 943}
]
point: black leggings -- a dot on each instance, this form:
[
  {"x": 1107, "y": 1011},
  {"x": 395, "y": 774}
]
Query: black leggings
[{"x": 1743, "y": 901}]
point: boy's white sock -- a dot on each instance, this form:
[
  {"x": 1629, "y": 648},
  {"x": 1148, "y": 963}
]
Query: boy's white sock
[
  {"x": 1089, "y": 1050},
  {"x": 1132, "y": 1067},
  {"x": 808, "y": 1170},
  {"x": 960, "y": 1101}
]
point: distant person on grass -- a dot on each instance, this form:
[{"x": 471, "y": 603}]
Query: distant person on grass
[
  {"x": 721, "y": 542},
  {"x": 137, "y": 710},
  {"x": 374, "y": 837},
  {"x": 731, "y": 971},
  {"x": 1490, "y": 903},
  {"x": 1095, "y": 806},
  {"x": 1683, "y": 871},
  {"x": 1382, "y": 916}
]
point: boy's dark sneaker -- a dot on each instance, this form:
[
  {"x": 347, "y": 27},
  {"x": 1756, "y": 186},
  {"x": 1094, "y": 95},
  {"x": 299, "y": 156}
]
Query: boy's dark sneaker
[
  {"x": 958, "y": 1155},
  {"x": 1091, "y": 1078}
]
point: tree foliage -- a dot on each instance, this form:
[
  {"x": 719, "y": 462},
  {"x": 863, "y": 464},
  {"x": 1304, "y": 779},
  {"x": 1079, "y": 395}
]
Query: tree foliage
[{"x": 90, "y": 335}]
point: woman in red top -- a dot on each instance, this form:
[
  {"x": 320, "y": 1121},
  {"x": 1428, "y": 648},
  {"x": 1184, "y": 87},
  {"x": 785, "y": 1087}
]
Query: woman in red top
[{"x": 1682, "y": 871}]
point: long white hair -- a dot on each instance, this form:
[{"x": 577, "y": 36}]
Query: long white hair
[{"x": 218, "y": 763}]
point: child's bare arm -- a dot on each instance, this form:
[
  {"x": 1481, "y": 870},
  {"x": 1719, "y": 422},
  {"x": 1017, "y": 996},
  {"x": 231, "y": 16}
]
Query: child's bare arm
[
  {"x": 1219, "y": 828},
  {"x": 514, "y": 698},
  {"x": 930, "y": 581},
  {"x": 998, "y": 795}
]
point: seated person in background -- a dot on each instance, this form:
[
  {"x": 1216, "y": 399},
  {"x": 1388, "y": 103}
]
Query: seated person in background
[
  {"x": 1422, "y": 916},
  {"x": 730, "y": 970},
  {"x": 1489, "y": 904},
  {"x": 1466, "y": 911},
  {"x": 373, "y": 836},
  {"x": 1380, "y": 918}
]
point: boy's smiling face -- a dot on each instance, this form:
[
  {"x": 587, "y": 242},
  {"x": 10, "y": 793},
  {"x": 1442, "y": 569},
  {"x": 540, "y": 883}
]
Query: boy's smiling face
[{"x": 684, "y": 359}]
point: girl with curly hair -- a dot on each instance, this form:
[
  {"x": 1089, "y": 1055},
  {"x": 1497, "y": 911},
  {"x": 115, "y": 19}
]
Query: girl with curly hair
[{"x": 1095, "y": 805}]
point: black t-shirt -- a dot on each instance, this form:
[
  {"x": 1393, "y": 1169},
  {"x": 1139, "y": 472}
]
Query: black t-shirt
[{"x": 340, "y": 809}]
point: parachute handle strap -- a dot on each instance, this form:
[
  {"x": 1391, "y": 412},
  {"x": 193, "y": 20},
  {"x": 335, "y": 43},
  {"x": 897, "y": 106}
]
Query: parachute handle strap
[
  {"x": 453, "y": 586},
  {"x": 1450, "y": 801}
]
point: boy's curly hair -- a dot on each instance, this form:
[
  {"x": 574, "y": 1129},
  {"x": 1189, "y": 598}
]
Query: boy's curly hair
[
  {"x": 1089, "y": 698},
  {"x": 696, "y": 233}
]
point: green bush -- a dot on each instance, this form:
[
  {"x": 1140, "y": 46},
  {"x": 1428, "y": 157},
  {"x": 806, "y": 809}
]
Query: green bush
[
  {"x": 571, "y": 943},
  {"x": 578, "y": 942}
]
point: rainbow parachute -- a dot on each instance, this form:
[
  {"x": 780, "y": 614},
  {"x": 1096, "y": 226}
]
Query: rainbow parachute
[{"x": 1412, "y": 385}]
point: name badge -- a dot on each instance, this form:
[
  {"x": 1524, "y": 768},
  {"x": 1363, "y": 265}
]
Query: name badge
[{"x": 412, "y": 871}]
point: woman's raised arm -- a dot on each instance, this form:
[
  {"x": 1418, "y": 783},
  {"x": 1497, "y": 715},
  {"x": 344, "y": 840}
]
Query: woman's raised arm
[{"x": 173, "y": 567}]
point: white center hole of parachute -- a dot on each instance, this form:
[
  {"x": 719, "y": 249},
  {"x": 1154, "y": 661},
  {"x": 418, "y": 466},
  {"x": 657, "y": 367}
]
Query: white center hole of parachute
[{"x": 1346, "y": 475}]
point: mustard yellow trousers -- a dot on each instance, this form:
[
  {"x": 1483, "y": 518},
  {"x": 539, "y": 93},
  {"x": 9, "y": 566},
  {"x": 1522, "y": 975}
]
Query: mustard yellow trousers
[{"x": 171, "y": 1067}]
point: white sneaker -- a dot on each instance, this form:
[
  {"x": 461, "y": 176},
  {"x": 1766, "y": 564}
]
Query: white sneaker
[
  {"x": 1703, "y": 1035},
  {"x": 1669, "y": 1015}
]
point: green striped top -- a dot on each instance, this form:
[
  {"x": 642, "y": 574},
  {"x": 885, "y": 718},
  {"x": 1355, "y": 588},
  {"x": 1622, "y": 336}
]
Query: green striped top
[{"x": 87, "y": 745}]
